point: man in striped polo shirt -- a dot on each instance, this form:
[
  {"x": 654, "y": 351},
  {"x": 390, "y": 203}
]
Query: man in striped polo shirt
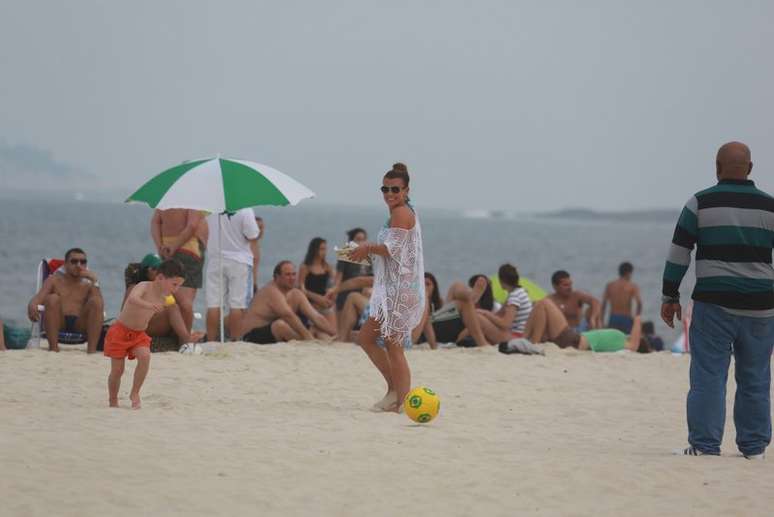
[{"x": 732, "y": 227}]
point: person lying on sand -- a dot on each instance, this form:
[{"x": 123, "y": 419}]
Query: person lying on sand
[
  {"x": 547, "y": 323},
  {"x": 273, "y": 313}
]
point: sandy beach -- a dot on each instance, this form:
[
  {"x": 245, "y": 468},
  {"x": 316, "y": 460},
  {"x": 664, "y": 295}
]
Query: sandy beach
[{"x": 286, "y": 430}]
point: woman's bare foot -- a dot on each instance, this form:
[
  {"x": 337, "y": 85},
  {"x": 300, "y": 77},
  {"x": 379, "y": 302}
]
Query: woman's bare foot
[
  {"x": 135, "y": 398},
  {"x": 394, "y": 408},
  {"x": 388, "y": 403},
  {"x": 113, "y": 402}
]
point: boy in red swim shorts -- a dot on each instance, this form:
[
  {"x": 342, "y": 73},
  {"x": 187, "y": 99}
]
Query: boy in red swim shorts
[{"x": 127, "y": 336}]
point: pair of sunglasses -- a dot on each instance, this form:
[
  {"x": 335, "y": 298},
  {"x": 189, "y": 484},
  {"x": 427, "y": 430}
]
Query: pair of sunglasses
[
  {"x": 76, "y": 262},
  {"x": 394, "y": 190}
]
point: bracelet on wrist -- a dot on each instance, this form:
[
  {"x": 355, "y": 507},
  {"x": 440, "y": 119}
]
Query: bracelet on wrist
[{"x": 670, "y": 299}]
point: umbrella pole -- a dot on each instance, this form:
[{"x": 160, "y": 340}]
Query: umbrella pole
[{"x": 220, "y": 276}]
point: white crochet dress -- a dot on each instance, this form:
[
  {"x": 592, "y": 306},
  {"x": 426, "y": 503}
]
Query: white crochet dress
[{"x": 398, "y": 297}]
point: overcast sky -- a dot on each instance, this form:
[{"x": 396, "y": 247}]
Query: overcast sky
[{"x": 502, "y": 104}]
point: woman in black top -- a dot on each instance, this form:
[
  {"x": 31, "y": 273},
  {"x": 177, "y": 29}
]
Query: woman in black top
[
  {"x": 347, "y": 270},
  {"x": 314, "y": 277}
]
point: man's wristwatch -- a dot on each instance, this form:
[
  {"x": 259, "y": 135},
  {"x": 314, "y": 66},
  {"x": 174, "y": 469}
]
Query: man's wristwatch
[{"x": 670, "y": 299}]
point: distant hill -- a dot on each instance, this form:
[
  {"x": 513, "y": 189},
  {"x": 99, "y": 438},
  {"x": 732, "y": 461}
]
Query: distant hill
[{"x": 585, "y": 214}]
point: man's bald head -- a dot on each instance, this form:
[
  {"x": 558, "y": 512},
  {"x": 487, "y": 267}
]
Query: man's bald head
[{"x": 733, "y": 161}]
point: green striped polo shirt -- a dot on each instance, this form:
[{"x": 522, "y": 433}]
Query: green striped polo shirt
[{"x": 732, "y": 227}]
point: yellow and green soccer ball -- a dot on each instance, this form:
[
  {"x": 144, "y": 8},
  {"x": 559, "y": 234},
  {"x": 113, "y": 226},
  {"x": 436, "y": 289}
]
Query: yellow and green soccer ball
[{"x": 422, "y": 405}]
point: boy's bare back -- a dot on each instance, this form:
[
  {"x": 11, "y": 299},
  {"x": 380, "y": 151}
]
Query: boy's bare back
[{"x": 136, "y": 316}]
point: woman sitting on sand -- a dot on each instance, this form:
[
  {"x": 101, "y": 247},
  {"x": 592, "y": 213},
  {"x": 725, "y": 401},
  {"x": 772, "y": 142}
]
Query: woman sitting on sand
[
  {"x": 346, "y": 271},
  {"x": 425, "y": 331},
  {"x": 170, "y": 320},
  {"x": 457, "y": 321},
  {"x": 314, "y": 276},
  {"x": 508, "y": 321},
  {"x": 357, "y": 310},
  {"x": 548, "y": 323}
]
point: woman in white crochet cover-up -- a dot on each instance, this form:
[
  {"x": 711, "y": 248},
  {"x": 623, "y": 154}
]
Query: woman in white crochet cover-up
[{"x": 398, "y": 298}]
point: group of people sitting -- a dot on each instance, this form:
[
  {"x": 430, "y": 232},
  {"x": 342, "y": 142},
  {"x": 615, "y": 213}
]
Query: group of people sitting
[
  {"x": 323, "y": 301},
  {"x": 332, "y": 302}
]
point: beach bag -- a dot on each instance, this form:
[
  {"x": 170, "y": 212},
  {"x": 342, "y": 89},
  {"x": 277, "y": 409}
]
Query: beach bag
[{"x": 16, "y": 338}]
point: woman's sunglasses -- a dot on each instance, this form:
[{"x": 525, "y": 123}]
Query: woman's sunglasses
[{"x": 394, "y": 190}]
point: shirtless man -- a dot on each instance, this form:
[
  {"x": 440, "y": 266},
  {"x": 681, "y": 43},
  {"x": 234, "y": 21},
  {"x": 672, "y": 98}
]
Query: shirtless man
[
  {"x": 181, "y": 234},
  {"x": 571, "y": 302},
  {"x": 72, "y": 300},
  {"x": 621, "y": 293},
  {"x": 273, "y": 313}
]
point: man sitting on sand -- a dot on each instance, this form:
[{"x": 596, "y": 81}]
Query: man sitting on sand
[
  {"x": 621, "y": 293},
  {"x": 273, "y": 313},
  {"x": 571, "y": 303},
  {"x": 72, "y": 302},
  {"x": 547, "y": 323}
]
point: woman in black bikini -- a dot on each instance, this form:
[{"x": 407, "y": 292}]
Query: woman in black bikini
[
  {"x": 348, "y": 270},
  {"x": 314, "y": 277}
]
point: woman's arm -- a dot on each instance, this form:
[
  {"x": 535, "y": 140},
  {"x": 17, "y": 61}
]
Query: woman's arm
[
  {"x": 430, "y": 334},
  {"x": 504, "y": 320},
  {"x": 337, "y": 278},
  {"x": 368, "y": 248}
]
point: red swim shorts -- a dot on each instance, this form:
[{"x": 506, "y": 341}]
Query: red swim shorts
[{"x": 121, "y": 340}]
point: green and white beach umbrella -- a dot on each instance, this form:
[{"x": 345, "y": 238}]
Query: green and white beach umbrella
[{"x": 220, "y": 185}]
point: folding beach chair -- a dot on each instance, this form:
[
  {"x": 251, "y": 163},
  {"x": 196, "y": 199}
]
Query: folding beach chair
[{"x": 46, "y": 268}]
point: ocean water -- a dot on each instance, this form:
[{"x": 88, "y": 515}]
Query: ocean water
[{"x": 455, "y": 246}]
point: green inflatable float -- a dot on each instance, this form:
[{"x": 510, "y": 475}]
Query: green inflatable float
[{"x": 534, "y": 291}]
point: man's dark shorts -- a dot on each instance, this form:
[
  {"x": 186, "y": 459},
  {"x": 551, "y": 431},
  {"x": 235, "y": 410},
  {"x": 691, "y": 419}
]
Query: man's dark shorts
[
  {"x": 192, "y": 267},
  {"x": 261, "y": 336}
]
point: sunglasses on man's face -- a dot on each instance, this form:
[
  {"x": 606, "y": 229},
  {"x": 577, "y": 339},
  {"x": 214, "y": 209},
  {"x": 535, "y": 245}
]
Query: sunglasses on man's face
[
  {"x": 394, "y": 190},
  {"x": 76, "y": 262}
]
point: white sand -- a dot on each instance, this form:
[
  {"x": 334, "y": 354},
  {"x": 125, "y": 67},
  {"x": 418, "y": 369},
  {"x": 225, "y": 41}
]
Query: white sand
[{"x": 286, "y": 430}]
